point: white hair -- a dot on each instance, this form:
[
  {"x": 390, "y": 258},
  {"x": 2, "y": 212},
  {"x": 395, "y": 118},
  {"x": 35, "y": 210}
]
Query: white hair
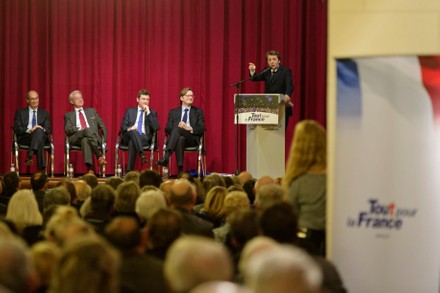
[
  {"x": 193, "y": 260},
  {"x": 149, "y": 202},
  {"x": 285, "y": 269}
]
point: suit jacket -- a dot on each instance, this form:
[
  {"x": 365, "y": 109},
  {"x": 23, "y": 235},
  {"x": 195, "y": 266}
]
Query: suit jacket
[
  {"x": 196, "y": 120},
  {"x": 281, "y": 83},
  {"x": 21, "y": 121},
  {"x": 95, "y": 122},
  {"x": 150, "y": 121}
]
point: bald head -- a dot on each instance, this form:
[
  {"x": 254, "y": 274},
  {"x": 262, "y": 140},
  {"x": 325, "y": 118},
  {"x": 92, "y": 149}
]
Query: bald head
[
  {"x": 265, "y": 180},
  {"x": 182, "y": 194},
  {"x": 124, "y": 233},
  {"x": 244, "y": 177}
]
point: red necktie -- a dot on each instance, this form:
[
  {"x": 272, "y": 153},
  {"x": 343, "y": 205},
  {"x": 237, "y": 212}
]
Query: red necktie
[{"x": 82, "y": 119}]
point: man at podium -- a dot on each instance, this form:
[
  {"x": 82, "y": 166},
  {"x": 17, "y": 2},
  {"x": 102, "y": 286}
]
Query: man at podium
[{"x": 277, "y": 79}]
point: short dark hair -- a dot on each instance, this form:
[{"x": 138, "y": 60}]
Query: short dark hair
[
  {"x": 279, "y": 222},
  {"x": 11, "y": 180},
  {"x": 38, "y": 180},
  {"x": 273, "y": 53},
  {"x": 143, "y": 92},
  {"x": 184, "y": 91},
  {"x": 150, "y": 177}
]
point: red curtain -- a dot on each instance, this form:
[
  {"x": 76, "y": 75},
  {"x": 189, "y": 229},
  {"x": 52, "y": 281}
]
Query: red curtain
[{"x": 109, "y": 49}]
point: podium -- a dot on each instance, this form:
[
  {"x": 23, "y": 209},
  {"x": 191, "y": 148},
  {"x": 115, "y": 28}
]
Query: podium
[{"x": 264, "y": 115}]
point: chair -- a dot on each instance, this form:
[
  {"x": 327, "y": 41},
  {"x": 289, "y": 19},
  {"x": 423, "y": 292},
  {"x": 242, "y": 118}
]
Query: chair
[
  {"x": 152, "y": 147},
  {"x": 201, "y": 155},
  {"x": 77, "y": 148},
  {"x": 17, "y": 147}
]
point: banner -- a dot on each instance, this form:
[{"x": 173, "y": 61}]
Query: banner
[
  {"x": 387, "y": 174},
  {"x": 257, "y": 108}
]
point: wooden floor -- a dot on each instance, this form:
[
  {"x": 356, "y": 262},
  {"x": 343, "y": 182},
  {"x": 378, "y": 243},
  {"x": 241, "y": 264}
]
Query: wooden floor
[{"x": 25, "y": 181}]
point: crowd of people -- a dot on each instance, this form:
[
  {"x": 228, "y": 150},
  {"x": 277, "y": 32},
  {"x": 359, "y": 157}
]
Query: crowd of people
[{"x": 142, "y": 234}]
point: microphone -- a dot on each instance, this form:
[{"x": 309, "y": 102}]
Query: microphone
[{"x": 261, "y": 72}]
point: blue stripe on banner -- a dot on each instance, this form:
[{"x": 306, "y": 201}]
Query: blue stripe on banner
[{"x": 348, "y": 89}]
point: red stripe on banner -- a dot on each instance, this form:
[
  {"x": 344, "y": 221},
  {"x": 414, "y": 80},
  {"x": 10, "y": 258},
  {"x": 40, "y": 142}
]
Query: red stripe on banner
[{"x": 430, "y": 67}]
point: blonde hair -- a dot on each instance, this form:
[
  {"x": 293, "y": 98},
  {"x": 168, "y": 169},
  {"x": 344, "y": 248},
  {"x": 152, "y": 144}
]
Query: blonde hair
[
  {"x": 23, "y": 210},
  {"x": 308, "y": 150},
  {"x": 235, "y": 200},
  {"x": 214, "y": 202}
]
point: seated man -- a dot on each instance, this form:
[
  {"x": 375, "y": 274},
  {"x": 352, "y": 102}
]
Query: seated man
[
  {"x": 185, "y": 126},
  {"x": 137, "y": 128},
  {"x": 82, "y": 126},
  {"x": 32, "y": 126}
]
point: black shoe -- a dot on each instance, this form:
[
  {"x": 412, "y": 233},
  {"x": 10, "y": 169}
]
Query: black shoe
[
  {"x": 29, "y": 162},
  {"x": 143, "y": 159},
  {"x": 163, "y": 162}
]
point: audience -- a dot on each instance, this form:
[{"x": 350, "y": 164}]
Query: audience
[
  {"x": 39, "y": 187},
  {"x": 150, "y": 177},
  {"x": 125, "y": 201},
  {"x": 148, "y": 203},
  {"x": 11, "y": 183},
  {"x": 212, "y": 210}
]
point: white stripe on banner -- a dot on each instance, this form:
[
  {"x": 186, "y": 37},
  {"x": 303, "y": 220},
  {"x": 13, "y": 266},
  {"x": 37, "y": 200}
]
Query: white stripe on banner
[{"x": 387, "y": 179}]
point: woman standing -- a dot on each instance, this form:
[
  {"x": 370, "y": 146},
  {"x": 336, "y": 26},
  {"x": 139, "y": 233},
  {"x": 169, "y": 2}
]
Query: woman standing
[{"x": 305, "y": 181}]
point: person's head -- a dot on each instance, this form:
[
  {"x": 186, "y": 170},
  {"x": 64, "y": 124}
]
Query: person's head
[
  {"x": 214, "y": 202},
  {"x": 268, "y": 195},
  {"x": 149, "y": 202},
  {"x": 70, "y": 187},
  {"x": 249, "y": 188},
  {"x": 164, "y": 227},
  {"x": 102, "y": 199},
  {"x": 32, "y": 99},
  {"x": 44, "y": 256},
  {"x": 285, "y": 269},
  {"x": 263, "y": 180},
  {"x": 132, "y": 176},
  {"x": 143, "y": 98},
  {"x": 126, "y": 196},
  {"x": 15, "y": 266},
  {"x": 150, "y": 177},
  {"x": 38, "y": 181},
  {"x": 56, "y": 196},
  {"x": 279, "y": 222},
  {"x": 83, "y": 190},
  {"x": 87, "y": 264},
  {"x": 235, "y": 200},
  {"x": 114, "y": 182},
  {"x": 186, "y": 96},
  {"x": 193, "y": 260},
  {"x": 124, "y": 234},
  {"x": 182, "y": 194},
  {"x": 23, "y": 209},
  {"x": 220, "y": 287},
  {"x": 11, "y": 181},
  {"x": 244, "y": 177},
  {"x": 308, "y": 150},
  {"x": 90, "y": 179},
  {"x": 76, "y": 99},
  {"x": 273, "y": 59},
  {"x": 243, "y": 225}
]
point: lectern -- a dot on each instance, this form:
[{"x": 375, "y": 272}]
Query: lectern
[{"x": 264, "y": 115}]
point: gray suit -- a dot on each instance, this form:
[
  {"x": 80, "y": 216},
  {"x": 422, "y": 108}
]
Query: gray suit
[{"x": 87, "y": 138}]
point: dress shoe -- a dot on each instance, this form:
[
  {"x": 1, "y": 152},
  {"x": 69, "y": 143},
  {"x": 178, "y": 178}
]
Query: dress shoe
[
  {"x": 102, "y": 161},
  {"x": 143, "y": 159},
  {"x": 29, "y": 162},
  {"x": 163, "y": 162},
  {"x": 91, "y": 172}
]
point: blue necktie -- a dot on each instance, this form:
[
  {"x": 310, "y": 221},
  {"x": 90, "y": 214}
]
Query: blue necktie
[
  {"x": 185, "y": 116},
  {"x": 34, "y": 119},
  {"x": 140, "y": 121}
]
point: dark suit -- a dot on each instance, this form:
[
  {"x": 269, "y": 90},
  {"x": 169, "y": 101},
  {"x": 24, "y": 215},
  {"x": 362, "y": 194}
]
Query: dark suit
[
  {"x": 280, "y": 83},
  {"x": 132, "y": 138},
  {"x": 181, "y": 138},
  {"x": 87, "y": 138},
  {"x": 37, "y": 139}
]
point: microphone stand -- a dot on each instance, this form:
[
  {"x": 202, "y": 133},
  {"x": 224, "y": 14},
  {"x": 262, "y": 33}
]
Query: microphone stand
[{"x": 237, "y": 86}]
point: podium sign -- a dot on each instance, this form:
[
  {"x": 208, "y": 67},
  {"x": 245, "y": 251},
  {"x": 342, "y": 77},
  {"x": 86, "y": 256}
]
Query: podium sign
[
  {"x": 264, "y": 115},
  {"x": 257, "y": 108}
]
